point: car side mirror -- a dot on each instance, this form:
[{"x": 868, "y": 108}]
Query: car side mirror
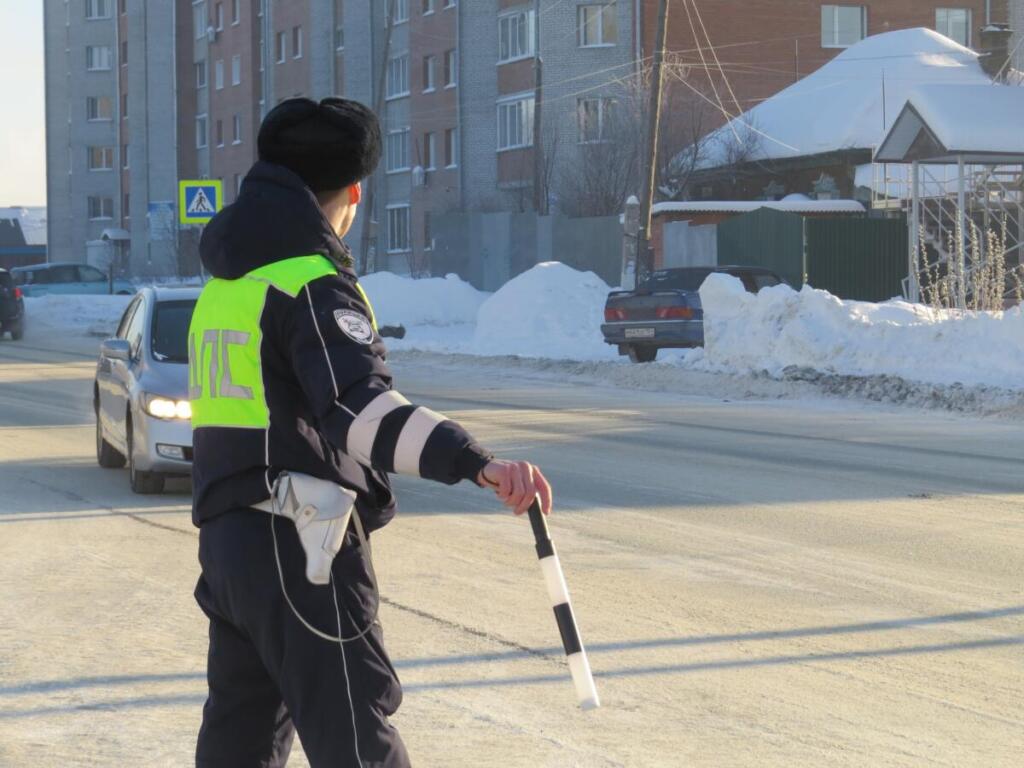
[{"x": 116, "y": 349}]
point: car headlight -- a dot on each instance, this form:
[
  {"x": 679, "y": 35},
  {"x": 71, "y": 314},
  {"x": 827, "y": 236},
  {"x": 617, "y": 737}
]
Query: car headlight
[{"x": 166, "y": 408}]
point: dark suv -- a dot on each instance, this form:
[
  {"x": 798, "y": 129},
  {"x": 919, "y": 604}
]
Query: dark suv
[{"x": 12, "y": 307}]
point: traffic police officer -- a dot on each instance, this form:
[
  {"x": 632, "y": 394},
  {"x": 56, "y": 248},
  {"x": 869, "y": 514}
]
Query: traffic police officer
[{"x": 287, "y": 374}]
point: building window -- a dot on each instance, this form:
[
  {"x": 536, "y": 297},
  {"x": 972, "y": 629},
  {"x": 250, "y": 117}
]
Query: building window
[
  {"x": 954, "y": 23},
  {"x": 428, "y": 7},
  {"x": 124, "y": 53},
  {"x": 397, "y": 151},
  {"x": 201, "y": 132},
  {"x": 238, "y": 185},
  {"x": 339, "y": 38},
  {"x": 101, "y": 208},
  {"x": 843, "y": 25},
  {"x": 515, "y": 36},
  {"x": 97, "y": 57},
  {"x": 236, "y": 16},
  {"x": 98, "y": 108},
  {"x": 594, "y": 117},
  {"x": 122, "y": 7},
  {"x": 125, "y": 165},
  {"x": 449, "y": 3},
  {"x": 296, "y": 42},
  {"x": 218, "y": 15},
  {"x": 199, "y": 20},
  {"x": 598, "y": 25},
  {"x": 398, "y": 228},
  {"x": 219, "y": 132},
  {"x": 97, "y": 9},
  {"x": 124, "y": 106},
  {"x": 428, "y": 73},
  {"x": 100, "y": 158},
  {"x": 429, "y": 151},
  {"x": 398, "y": 77},
  {"x": 236, "y": 69},
  {"x": 428, "y": 231},
  {"x": 200, "y": 69},
  {"x": 515, "y": 123},
  {"x": 126, "y": 208},
  {"x": 401, "y": 11},
  {"x": 218, "y": 74},
  {"x": 282, "y": 47},
  {"x": 237, "y": 129},
  {"x": 450, "y": 75},
  {"x": 451, "y": 158}
]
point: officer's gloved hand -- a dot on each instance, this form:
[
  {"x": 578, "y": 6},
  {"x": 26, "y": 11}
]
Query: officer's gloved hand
[{"x": 516, "y": 483}]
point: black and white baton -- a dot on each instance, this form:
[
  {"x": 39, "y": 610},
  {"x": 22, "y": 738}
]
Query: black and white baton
[{"x": 579, "y": 666}]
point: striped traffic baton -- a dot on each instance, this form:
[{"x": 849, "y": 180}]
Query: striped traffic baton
[{"x": 579, "y": 666}]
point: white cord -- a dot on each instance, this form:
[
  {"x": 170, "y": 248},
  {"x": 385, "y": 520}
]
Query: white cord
[
  {"x": 373, "y": 581},
  {"x": 344, "y": 668}
]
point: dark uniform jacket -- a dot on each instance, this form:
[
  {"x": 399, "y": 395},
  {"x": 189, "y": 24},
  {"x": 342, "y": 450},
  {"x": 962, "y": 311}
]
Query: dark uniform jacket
[{"x": 287, "y": 371}]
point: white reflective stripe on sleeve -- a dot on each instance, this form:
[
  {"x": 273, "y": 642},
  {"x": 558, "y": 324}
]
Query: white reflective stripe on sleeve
[
  {"x": 557, "y": 589},
  {"x": 363, "y": 432},
  {"x": 415, "y": 433}
]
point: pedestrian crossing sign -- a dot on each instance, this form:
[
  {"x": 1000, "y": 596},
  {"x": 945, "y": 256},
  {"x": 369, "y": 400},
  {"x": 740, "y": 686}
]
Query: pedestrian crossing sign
[{"x": 199, "y": 200}]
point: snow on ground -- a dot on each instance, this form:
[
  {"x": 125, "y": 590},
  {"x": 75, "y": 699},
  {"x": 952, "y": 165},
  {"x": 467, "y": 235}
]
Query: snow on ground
[
  {"x": 432, "y": 301},
  {"x": 780, "y": 328},
  {"x": 55, "y": 316}
]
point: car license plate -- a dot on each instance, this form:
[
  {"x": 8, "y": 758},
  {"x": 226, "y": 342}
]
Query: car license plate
[{"x": 639, "y": 333}]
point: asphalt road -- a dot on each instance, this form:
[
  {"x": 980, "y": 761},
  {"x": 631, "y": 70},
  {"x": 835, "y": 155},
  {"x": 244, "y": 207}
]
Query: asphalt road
[{"x": 759, "y": 584}]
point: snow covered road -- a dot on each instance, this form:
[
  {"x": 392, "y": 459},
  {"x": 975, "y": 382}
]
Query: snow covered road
[{"x": 760, "y": 584}]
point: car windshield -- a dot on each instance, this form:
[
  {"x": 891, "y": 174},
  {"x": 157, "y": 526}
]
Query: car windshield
[
  {"x": 170, "y": 330},
  {"x": 677, "y": 279}
]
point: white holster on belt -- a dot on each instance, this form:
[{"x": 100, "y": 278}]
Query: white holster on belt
[{"x": 321, "y": 511}]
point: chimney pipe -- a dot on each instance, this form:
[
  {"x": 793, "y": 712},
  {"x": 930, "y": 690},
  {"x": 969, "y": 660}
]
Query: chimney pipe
[{"x": 995, "y": 49}]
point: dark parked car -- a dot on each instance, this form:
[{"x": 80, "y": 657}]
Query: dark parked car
[
  {"x": 12, "y": 307},
  {"x": 665, "y": 312}
]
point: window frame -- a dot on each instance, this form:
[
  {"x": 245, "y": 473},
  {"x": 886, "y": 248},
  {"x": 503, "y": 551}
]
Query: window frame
[
  {"x": 102, "y": 215},
  {"x": 968, "y": 21},
  {"x": 389, "y": 143},
  {"x": 524, "y": 103},
  {"x": 835, "y": 7},
  {"x": 198, "y": 66},
  {"x": 218, "y": 75},
  {"x": 281, "y": 47},
  {"x": 403, "y": 60},
  {"x": 236, "y": 13},
  {"x": 605, "y": 104},
  {"x": 390, "y": 214},
  {"x": 430, "y": 151},
  {"x": 401, "y": 12},
  {"x": 204, "y": 135},
  {"x": 236, "y": 129},
  {"x": 429, "y": 78},
  {"x": 297, "y": 42},
  {"x": 528, "y": 20},
  {"x": 89, "y": 56},
  {"x": 236, "y": 69},
  {"x": 98, "y": 100},
  {"x": 581, "y": 27},
  {"x": 91, "y": 5},
  {"x": 451, "y": 148},
  {"x": 106, "y": 157},
  {"x": 451, "y": 68}
]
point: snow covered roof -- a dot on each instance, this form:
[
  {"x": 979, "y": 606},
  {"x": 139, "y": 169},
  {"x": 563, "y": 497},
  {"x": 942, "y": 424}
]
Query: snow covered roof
[
  {"x": 743, "y": 206},
  {"x": 841, "y": 105},
  {"x": 981, "y": 123}
]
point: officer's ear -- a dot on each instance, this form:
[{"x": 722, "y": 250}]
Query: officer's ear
[{"x": 355, "y": 193}]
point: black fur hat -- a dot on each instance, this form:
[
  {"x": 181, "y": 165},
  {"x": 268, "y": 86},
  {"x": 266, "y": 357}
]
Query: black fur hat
[{"x": 329, "y": 145}]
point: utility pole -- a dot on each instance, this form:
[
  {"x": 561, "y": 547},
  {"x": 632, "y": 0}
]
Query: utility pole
[
  {"x": 645, "y": 255},
  {"x": 540, "y": 203},
  {"x": 378, "y": 108}
]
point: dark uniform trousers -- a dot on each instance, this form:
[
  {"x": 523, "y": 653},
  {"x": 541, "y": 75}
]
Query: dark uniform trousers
[{"x": 269, "y": 676}]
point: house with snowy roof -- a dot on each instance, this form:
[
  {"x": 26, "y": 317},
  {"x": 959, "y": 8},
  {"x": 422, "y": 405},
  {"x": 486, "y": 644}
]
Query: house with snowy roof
[{"x": 817, "y": 137}]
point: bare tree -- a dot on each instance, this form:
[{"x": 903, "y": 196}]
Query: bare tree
[{"x": 607, "y": 167}]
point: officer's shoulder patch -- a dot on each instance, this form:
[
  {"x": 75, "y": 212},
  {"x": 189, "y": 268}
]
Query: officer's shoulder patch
[{"x": 354, "y": 325}]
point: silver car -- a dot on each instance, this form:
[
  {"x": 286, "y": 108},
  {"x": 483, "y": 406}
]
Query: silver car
[{"x": 141, "y": 390}]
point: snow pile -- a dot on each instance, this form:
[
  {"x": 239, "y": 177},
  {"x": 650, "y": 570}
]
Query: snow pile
[
  {"x": 433, "y": 301},
  {"x": 57, "y": 315},
  {"x": 549, "y": 311},
  {"x": 840, "y": 106},
  {"x": 780, "y": 329}
]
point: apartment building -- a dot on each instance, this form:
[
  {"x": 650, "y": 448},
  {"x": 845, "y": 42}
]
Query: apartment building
[
  {"x": 764, "y": 46},
  {"x": 111, "y": 141}
]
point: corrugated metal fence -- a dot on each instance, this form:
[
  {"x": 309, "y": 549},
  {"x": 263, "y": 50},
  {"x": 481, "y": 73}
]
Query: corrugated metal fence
[{"x": 852, "y": 258}]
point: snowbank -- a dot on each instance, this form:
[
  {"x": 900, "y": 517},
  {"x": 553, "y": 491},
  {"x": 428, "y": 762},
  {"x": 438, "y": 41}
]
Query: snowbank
[
  {"x": 779, "y": 328},
  {"x": 57, "y": 315},
  {"x": 549, "y": 311},
  {"x": 433, "y": 301}
]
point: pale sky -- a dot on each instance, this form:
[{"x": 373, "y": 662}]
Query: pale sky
[{"x": 22, "y": 106}]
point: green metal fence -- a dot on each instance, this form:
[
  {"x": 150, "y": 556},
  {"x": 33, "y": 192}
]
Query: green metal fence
[
  {"x": 764, "y": 238},
  {"x": 852, "y": 258},
  {"x": 863, "y": 259}
]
